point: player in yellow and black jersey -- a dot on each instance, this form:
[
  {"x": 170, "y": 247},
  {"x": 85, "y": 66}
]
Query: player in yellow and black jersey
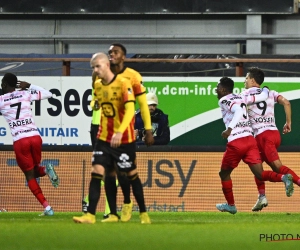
[
  {"x": 112, "y": 98},
  {"x": 117, "y": 55},
  {"x": 116, "y": 142}
]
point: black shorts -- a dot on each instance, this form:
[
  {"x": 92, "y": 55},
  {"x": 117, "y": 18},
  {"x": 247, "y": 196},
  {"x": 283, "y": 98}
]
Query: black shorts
[{"x": 124, "y": 157}]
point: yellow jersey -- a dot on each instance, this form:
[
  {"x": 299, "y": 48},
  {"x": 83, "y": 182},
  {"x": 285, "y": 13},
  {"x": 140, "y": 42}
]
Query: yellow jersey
[
  {"x": 135, "y": 79},
  {"x": 112, "y": 98},
  {"x": 136, "y": 82}
]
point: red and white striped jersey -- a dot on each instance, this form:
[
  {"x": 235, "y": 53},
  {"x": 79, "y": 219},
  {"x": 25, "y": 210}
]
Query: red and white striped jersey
[
  {"x": 16, "y": 109},
  {"x": 243, "y": 127},
  {"x": 262, "y": 115}
]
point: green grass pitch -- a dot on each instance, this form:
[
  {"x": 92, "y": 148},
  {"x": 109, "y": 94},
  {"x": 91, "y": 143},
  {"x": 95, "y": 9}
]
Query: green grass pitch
[{"x": 184, "y": 231}]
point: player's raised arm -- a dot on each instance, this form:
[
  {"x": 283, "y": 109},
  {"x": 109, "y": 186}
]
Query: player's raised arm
[
  {"x": 44, "y": 94},
  {"x": 41, "y": 92}
]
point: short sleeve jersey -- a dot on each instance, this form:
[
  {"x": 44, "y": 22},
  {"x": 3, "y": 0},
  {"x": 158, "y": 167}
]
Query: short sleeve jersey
[
  {"x": 243, "y": 127},
  {"x": 112, "y": 98},
  {"x": 261, "y": 114},
  {"x": 16, "y": 109}
]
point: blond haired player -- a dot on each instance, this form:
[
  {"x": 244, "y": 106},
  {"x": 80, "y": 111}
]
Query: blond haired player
[
  {"x": 116, "y": 140},
  {"x": 117, "y": 54}
]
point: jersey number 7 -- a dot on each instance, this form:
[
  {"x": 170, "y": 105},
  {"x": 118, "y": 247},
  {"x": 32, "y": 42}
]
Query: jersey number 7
[{"x": 18, "y": 104}]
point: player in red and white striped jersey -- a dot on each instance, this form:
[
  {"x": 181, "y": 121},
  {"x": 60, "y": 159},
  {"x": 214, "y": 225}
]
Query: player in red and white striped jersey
[
  {"x": 15, "y": 106},
  {"x": 262, "y": 117},
  {"x": 241, "y": 143}
]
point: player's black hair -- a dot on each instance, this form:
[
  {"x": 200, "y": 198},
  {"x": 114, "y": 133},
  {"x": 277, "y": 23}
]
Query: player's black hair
[
  {"x": 121, "y": 46},
  {"x": 227, "y": 83},
  {"x": 10, "y": 79},
  {"x": 257, "y": 74}
]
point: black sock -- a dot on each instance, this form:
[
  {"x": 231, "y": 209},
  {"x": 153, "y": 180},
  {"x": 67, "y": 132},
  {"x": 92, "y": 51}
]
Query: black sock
[
  {"x": 111, "y": 193},
  {"x": 138, "y": 192},
  {"x": 125, "y": 186},
  {"x": 94, "y": 192}
]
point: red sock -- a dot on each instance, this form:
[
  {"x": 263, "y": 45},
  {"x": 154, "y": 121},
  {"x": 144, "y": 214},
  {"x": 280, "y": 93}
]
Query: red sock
[
  {"x": 39, "y": 171},
  {"x": 37, "y": 191},
  {"x": 268, "y": 175},
  {"x": 285, "y": 170},
  {"x": 227, "y": 191},
  {"x": 260, "y": 186}
]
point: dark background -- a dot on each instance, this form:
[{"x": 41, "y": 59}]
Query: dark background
[{"x": 146, "y": 7}]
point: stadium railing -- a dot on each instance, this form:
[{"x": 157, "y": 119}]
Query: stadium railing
[{"x": 239, "y": 70}]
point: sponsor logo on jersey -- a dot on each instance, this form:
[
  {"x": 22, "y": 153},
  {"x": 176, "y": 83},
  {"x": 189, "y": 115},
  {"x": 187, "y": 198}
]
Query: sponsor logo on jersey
[{"x": 12, "y": 97}]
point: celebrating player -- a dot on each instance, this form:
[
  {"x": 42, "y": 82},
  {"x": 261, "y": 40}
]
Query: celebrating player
[
  {"x": 267, "y": 136},
  {"x": 241, "y": 144},
  {"x": 15, "y": 106}
]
